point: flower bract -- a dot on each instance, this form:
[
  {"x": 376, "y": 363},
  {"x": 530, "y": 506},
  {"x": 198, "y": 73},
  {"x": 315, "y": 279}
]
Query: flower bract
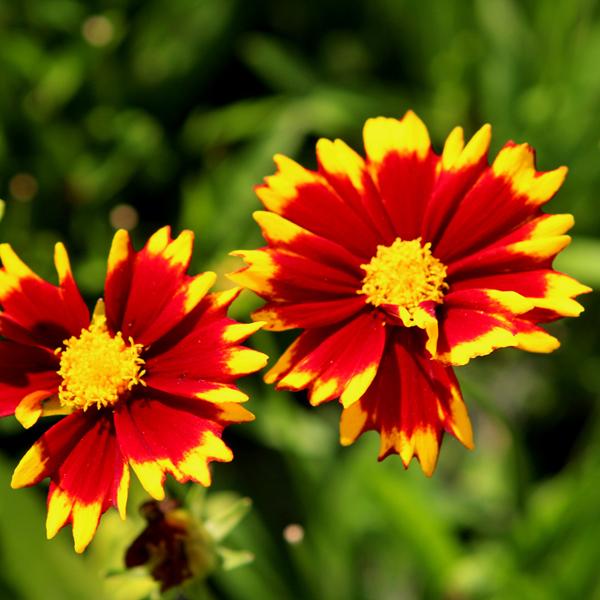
[{"x": 174, "y": 546}]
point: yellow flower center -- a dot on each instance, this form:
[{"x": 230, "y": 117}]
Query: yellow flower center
[
  {"x": 98, "y": 368},
  {"x": 404, "y": 274}
]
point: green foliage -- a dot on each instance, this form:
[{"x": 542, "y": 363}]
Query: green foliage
[{"x": 169, "y": 111}]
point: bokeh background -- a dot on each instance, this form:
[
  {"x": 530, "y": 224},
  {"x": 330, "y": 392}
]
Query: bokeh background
[{"x": 139, "y": 114}]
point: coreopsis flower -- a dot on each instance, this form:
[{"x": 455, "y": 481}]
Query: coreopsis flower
[
  {"x": 401, "y": 265},
  {"x": 146, "y": 383}
]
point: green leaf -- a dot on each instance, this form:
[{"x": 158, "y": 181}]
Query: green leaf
[{"x": 223, "y": 513}]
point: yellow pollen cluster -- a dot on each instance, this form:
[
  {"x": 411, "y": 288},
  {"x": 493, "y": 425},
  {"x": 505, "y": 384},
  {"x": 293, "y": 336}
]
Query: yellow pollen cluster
[
  {"x": 97, "y": 368},
  {"x": 404, "y": 274}
]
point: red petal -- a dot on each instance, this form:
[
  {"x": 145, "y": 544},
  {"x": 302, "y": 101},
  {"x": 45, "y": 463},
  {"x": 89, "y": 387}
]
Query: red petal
[
  {"x": 280, "y": 316},
  {"x": 178, "y": 438},
  {"x": 402, "y": 165},
  {"x": 188, "y": 387},
  {"x": 205, "y": 346},
  {"x": 304, "y": 344},
  {"x": 182, "y": 303},
  {"x": 119, "y": 274},
  {"x": 349, "y": 176},
  {"x": 23, "y": 370},
  {"x": 476, "y": 322},
  {"x": 551, "y": 292},
  {"x": 339, "y": 366},
  {"x": 149, "y": 294},
  {"x": 513, "y": 257},
  {"x": 503, "y": 199},
  {"x": 88, "y": 474},
  {"x": 38, "y": 311},
  {"x": 157, "y": 276},
  {"x": 306, "y": 198},
  {"x": 283, "y": 234},
  {"x": 459, "y": 168},
  {"x": 284, "y": 277},
  {"x": 410, "y": 403}
]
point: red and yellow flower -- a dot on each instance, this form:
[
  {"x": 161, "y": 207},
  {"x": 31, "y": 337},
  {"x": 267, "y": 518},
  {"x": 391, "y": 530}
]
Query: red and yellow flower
[
  {"x": 401, "y": 265},
  {"x": 146, "y": 383}
]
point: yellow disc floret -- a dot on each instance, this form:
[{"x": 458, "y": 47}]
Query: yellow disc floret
[
  {"x": 404, "y": 274},
  {"x": 97, "y": 368}
]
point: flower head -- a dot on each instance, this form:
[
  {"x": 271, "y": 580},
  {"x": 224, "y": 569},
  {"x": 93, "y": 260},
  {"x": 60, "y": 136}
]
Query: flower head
[
  {"x": 401, "y": 265},
  {"x": 147, "y": 382}
]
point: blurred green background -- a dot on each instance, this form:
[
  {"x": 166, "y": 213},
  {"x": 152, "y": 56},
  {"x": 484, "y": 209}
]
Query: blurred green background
[{"x": 138, "y": 114}]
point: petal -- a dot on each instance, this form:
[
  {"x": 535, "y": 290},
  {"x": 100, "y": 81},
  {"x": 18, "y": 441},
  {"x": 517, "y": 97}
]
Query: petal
[
  {"x": 505, "y": 196},
  {"x": 281, "y": 276},
  {"x": 505, "y": 303},
  {"x": 410, "y": 403},
  {"x": 44, "y": 314},
  {"x": 338, "y": 366},
  {"x": 384, "y": 136},
  {"x": 196, "y": 388},
  {"x": 281, "y": 233},
  {"x": 146, "y": 431},
  {"x": 87, "y": 471},
  {"x": 303, "y": 345},
  {"x": 207, "y": 349},
  {"x": 41, "y": 403},
  {"x": 532, "y": 338},
  {"x": 347, "y": 173},
  {"x": 305, "y": 197},
  {"x": 178, "y": 370},
  {"x": 532, "y": 246},
  {"x": 516, "y": 163},
  {"x": 149, "y": 293},
  {"x": 25, "y": 370},
  {"x": 209, "y": 316},
  {"x": 424, "y": 317},
  {"x": 548, "y": 290},
  {"x": 475, "y": 322},
  {"x": 183, "y": 301},
  {"x": 543, "y": 227},
  {"x": 47, "y": 454},
  {"x": 282, "y": 316},
  {"x": 119, "y": 273},
  {"x": 458, "y": 170},
  {"x": 402, "y": 165},
  {"x": 73, "y": 303}
]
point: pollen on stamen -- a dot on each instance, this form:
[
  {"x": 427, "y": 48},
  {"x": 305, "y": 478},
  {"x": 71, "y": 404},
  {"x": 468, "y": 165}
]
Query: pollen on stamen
[
  {"x": 404, "y": 274},
  {"x": 97, "y": 368}
]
